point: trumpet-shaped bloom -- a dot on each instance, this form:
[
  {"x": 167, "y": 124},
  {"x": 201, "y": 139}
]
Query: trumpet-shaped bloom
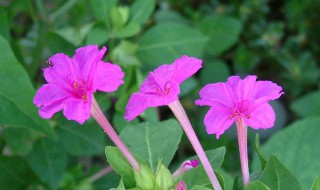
[
  {"x": 161, "y": 87},
  {"x": 236, "y": 99},
  {"x": 72, "y": 82}
]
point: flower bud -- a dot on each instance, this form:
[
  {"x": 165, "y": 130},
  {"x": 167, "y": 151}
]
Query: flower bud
[
  {"x": 145, "y": 178},
  {"x": 163, "y": 178},
  {"x": 186, "y": 166},
  {"x": 181, "y": 186}
]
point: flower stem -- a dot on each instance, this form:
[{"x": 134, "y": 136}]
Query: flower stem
[
  {"x": 181, "y": 115},
  {"x": 100, "y": 173},
  {"x": 243, "y": 150},
  {"x": 98, "y": 115}
]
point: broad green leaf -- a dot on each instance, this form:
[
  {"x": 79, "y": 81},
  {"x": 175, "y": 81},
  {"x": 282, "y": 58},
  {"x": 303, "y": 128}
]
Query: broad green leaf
[
  {"x": 223, "y": 32},
  {"x": 214, "y": 71},
  {"x": 120, "y": 165},
  {"x": 169, "y": 16},
  {"x": 57, "y": 43},
  {"x": 84, "y": 140},
  {"x": 4, "y": 29},
  {"x": 98, "y": 34},
  {"x": 74, "y": 36},
  {"x": 15, "y": 173},
  {"x": 316, "y": 184},
  {"x": 197, "y": 187},
  {"x": 263, "y": 161},
  {"x": 157, "y": 47},
  {"x": 256, "y": 185},
  {"x": 153, "y": 141},
  {"x": 297, "y": 146},
  {"x": 198, "y": 176},
  {"x": 308, "y": 105},
  {"x": 227, "y": 178},
  {"x": 141, "y": 10},
  {"x": 16, "y": 95},
  {"x": 129, "y": 30},
  {"x": 48, "y": 161},
  {"x": 187, "y": 86},
  {"x": 19, "y": 140},
  {"x": 101, "y": 9},
  {"x": 276, "y": 176}
]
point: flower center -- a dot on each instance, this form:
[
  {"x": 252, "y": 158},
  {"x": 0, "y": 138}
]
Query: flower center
[
  {"x": 242, "y": 108},
  {"x": 161, "y": 91},
  {"x": 79, "y": 87}
]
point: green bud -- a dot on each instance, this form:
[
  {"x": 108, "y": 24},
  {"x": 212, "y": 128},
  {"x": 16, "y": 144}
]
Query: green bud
[
  {"x": 119, "y": 16},
  {"x": 164, "y": 179},
  {"x": 145, "y": 178}
]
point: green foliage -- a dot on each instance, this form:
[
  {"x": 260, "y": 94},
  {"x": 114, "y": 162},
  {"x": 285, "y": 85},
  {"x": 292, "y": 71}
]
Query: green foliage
[
  {"x": 277, "y": 176},
  {"x": 308, "y": 105},
  {"x": 157, "y": 47},
  {"x": 316, "y": 184},
  {"x": 296, "y": 146},
  {"x": 256, "y": 185},
  {"x": 153, "y": 141}
]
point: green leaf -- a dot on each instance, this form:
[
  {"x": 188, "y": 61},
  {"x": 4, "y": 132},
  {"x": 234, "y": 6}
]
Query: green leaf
[
  {"x": 153, "y": 141},
  {"x": 198, "y": 176},
  {"x": 223, "y": 32},
  {"x": 263, "y": 161},
  {"x": 48, "y": 161},
  {"x": 120, "y": 165},
  {"x": 141, "y": 10},
  {"x": 297, "y": 146},
  {"x": 74, "y": 36},
  {"x": 127, "y": 31},
  {"x": 308, "y": 105},
  {"x": 214, "y": 71},
  {"x": 316, "y": 184},
  {"x": 15, "y": 173},
  {"x": 256, "y": 185},
  {"x": 19, "y": 139},
  {"x": 197, "y": 187},
  {"x": 4, "y": 29},
  {"x": 98, "y": 34},
  {"x": 157, "y": 47},
  {"x": 101, "y": 9},
  {"x": 16, "y": 95},
  {"x": 277, "y": 176},
  {"x": 84, "y": 140},
  {"x": 57, "y": 43},
  {"x": 121, "y": 185}
]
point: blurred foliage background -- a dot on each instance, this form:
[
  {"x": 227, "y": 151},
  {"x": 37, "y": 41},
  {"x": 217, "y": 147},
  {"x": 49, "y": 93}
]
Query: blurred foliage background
[{"x": 275, "y": 40}]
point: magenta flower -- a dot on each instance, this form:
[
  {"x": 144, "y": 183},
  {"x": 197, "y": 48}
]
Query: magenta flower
[
  {"x": 237, "y": 99},
  {"x": 181, "y": 186},
  {"x": 186, "y": 166},
  {"x": 72, "y": 82},
  {"x": 162, "y": 86},
  {"x": 244, "y": 102}
]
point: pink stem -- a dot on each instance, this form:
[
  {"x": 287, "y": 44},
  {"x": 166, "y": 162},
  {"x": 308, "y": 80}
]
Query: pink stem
[
  {"x": 98, "y": 115},
  {"x": 100, "y": 173},
  {"x": 181, "y": 115},
  {"x": 243, "y": 150}
]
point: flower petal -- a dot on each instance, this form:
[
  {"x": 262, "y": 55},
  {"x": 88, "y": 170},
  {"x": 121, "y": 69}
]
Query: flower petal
[
  {"x": 137, "y": 104},
  {"x": 185, "y": 67},
  {"x": 49, "y": 93},
  {"x": 108, "y": 77},
  {"x": 266, "y": 91},
  {"x": 247, "y": 88},
  {"x": 77, "y": 109},
  {"x": 61, "y": 67},
  {"x": 217, "y": 120},
  {"x": 48, "y": 110},
  {"x": 163, "y": 74},
  {"x": 87, "y": 59},
  {"x": 262, "y": 117},
  {"x": 233, "y": 86},
  {"x": 212, "y": 94}
]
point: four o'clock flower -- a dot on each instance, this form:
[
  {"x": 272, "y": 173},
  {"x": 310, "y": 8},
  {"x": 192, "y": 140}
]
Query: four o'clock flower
[
  {"x": 244, "y": 102},
  {"x": 161, "y": 87},
  {"x": 71, "y": 84}
]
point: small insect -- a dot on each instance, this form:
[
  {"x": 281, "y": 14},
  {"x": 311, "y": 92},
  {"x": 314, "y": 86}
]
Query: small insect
[{"x": 49, "y": 63}]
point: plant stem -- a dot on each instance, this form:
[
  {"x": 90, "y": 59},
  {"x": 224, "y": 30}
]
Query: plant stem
[
  {"x": 243, "y": 150},
  {"x": 100, "y": 173},
  {"x": 181, "y": 115},
  {"x": 98, "y": 115}
]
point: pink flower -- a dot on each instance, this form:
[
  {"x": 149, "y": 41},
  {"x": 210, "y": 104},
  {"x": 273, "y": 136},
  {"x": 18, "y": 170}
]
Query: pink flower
[
  {"x": 186, "y": 166},
  {"x": 72, "y": 82},
  {"x": 162, "y": 86},
  {"x": 181, "y": 186},
  {"x": 237, "y": 99}
]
